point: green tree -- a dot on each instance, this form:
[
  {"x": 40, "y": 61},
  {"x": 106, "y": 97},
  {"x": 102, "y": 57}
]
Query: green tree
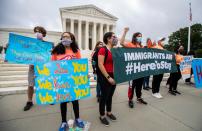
[{"x": 181, "y": 37}]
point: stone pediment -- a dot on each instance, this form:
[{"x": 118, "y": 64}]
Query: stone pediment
[{"x": 90, "y": 10}]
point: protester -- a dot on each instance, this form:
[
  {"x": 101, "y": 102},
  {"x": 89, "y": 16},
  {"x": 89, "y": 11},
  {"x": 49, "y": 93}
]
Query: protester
[
  {"x": 106, "y": 78},
  {"x": 40, "y": 33},
  {"x": 188, "y": 80},
  {"x": 136, "y": 84},
  {"x": 68, "y": 49},
  {"x": 175, "y": 76},
  {"x": 94, "y": 54},
  {"x": 146, "y": 79},
  {"x": 157, "y": 78}
]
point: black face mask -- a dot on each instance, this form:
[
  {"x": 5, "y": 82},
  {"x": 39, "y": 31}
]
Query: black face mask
[{"x": 181, "y": 51}]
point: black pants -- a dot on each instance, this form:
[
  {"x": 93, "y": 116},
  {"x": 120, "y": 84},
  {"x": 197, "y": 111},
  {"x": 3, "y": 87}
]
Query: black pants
[
  {"x": 137, "y": 86},
  {"x": 156, "y": 83},
  {"x": 107, "y": 91},
  {"x": 63, "y": 110},
  {"x": 168, "y": 81},
  {"x": 174, "y": 78}
]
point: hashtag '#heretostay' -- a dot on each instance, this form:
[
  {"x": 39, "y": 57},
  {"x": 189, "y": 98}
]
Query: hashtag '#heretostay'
[{"x": 129, "y": 68}]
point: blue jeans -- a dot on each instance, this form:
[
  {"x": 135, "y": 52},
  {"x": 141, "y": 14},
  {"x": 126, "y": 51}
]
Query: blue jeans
[{"x": 146, "y": 81}]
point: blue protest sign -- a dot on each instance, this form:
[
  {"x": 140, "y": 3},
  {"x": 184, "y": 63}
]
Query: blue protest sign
[
  {"x": 197, "y": 70},
  {"x": 61, "y": 81},
  {"x": 26, "y": 50}
]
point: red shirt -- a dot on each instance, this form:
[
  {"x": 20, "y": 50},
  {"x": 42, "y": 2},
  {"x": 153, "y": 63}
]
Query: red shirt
[{"x": 109, "y": 67}]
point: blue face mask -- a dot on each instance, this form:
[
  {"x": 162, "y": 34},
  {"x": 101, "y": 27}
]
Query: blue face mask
[
  {"x": 139, "y": 39},
  {"x": 66, "y": 42}
]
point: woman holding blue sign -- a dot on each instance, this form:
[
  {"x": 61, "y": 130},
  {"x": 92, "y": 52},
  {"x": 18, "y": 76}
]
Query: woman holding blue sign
[{"x": 67, "y": 49}]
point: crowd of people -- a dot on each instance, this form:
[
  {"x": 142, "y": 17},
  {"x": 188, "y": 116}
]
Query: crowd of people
[{"x": 103, "y": 68}]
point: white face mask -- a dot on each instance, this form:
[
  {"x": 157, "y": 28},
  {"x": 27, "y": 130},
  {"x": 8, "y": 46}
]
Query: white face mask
[
  {"x": 66, "y": 42},
  {"x": 39, "y": 36}
]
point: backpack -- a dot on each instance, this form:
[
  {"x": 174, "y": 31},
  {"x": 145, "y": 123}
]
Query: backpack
[{"x": 96, "y": 69}]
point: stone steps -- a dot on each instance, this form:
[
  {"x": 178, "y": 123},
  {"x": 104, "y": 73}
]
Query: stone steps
[
  {"x": 12, "y": 65},
  {"x": 13, "y": 77},
  {"x": 14, "y": 68},
  {"x": 14, "y": 83},
  {"x": 9, "y": 73}
]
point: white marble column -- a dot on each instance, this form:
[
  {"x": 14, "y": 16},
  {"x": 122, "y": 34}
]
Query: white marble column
[
  {"x": 79, "y": 34},
  {"x": 94, "y": 35},
  {"x": 101, "y": 32},
  {"x": 64, "y": 26},
  {"x": 113, "y": 28},
  {"x": 87, "y": 36},
  {"x": 72, "y": 26},
  {"x": 107, "y": 28}
]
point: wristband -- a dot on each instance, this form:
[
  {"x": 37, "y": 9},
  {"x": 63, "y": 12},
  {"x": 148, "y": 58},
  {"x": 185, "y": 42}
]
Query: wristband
[{"x": 108, "y": 77}]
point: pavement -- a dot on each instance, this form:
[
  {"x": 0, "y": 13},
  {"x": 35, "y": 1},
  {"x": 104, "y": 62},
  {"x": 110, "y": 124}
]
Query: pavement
[{"x": 172, "y": 113}]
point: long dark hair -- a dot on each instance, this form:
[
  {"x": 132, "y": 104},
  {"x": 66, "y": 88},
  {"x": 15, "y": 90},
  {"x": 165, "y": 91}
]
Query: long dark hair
[
  {"x": 97, "y": 44},
  {"x": 60, "y": 48},
  {"x": 134, "y": 38}
]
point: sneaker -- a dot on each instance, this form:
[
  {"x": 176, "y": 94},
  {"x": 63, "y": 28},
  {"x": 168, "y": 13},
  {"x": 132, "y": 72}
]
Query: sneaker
[
  {"x": 156, "y": 95},
  {"x": 104, "y": 121},
  {"x": 79, "y": 123},
  {"x": 191, "y": 83},
  {"x": 172, "y": 92},
  {"x": 149, "y": 87},
  {"x": 146, "y": 88},
  {"x": 177, "y": 92},
  {"x": 28, "y": 106},
  {"x": 140, "y": 100},
  {"x": 112, "y": 117},
  {"x": 63, "y": 126},
  {"x": 130, "y": 104},
  {"x": 160, "y": 96}
]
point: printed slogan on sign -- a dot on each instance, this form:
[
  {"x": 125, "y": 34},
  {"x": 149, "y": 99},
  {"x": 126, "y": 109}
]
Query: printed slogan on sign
[{"x": 62, "y": 81}]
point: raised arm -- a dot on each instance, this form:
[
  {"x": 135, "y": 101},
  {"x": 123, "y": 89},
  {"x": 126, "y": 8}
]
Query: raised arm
[{"x": 122, "y": 40}]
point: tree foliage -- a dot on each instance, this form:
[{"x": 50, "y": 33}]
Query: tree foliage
[{"x": 181, "y": 37}]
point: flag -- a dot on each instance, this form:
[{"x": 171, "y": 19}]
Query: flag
[{"x": 190, "y": 13}]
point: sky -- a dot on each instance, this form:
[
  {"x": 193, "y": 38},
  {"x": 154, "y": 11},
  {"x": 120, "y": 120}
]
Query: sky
[{"x": 153, "y": 18}]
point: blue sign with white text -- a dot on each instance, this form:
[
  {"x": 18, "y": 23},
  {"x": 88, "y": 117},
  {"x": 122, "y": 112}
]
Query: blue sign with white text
[{"x": 26, "y": 50}]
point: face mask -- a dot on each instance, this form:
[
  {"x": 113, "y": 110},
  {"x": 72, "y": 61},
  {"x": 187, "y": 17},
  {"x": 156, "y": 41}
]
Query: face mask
[
  {"x": 39, "y": 36},
  {"x": 66, "y": 42},
  {"x": 181, "y": 50},
  {"x": 139, "y": 39},
  {"x": 115, "y": 41}
]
